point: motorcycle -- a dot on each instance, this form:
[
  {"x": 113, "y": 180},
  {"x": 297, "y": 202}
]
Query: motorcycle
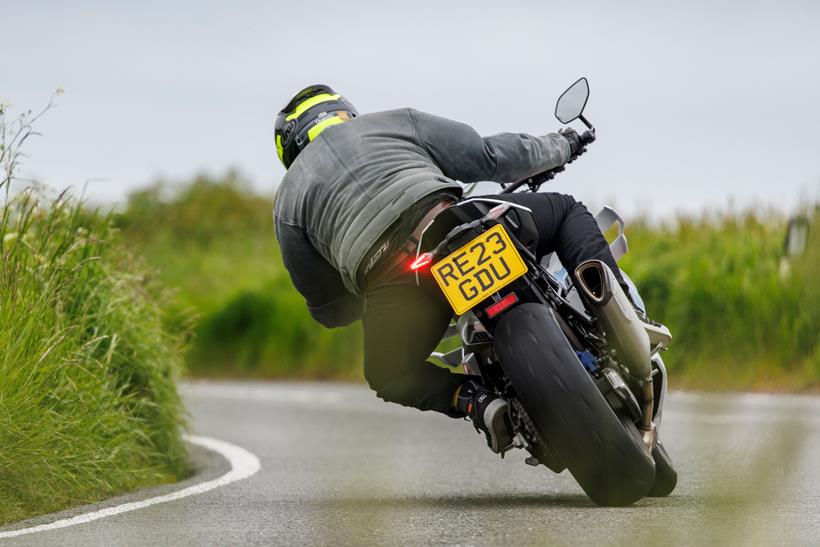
[{"x": 581, "y": 372}]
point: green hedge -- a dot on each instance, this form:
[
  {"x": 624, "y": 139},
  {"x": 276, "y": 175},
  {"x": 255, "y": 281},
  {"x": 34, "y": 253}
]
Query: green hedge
[
  {"x": 720, "y": 283},
  {"x": 715, "y": 280},
  {"x": 213, "y": 239}
]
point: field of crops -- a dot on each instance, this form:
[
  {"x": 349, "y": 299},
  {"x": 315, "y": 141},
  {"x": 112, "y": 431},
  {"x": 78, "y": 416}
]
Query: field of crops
[
  {"x": 715, "y": 280},
  {"x": 88, "y": 401}
]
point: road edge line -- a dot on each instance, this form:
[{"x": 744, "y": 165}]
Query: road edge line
[{"x": 243, "y": 464}]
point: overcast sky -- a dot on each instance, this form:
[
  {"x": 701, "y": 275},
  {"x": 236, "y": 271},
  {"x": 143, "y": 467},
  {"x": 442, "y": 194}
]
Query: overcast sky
[{"x": 696, "y": 103}]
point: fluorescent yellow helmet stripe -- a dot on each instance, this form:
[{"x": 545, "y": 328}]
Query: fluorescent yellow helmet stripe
[
  {"x": 313, "y": 101},
  {"x": 279, "y": 150},
  {"x": 314, "y": 131}
]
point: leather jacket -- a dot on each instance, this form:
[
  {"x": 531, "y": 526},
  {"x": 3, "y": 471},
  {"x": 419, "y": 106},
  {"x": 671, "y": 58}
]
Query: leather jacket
[{"x": 357, "y": 179}]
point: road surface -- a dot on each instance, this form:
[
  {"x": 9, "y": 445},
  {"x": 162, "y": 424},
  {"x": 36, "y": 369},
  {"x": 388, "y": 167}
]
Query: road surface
[{"x": 340, "y": 467}]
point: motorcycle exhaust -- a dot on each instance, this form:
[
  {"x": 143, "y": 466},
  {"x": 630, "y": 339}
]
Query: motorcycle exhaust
[{"x": 624, "y": 330}]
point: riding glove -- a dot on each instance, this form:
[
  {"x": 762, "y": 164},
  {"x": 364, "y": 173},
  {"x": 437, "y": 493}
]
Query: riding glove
[{"x": 577, "y": 143}]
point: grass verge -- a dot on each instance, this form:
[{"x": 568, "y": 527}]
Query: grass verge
[{"x": 88, "y": 403}]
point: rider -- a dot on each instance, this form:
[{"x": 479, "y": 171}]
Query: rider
[{"x": 358, "y": 187}]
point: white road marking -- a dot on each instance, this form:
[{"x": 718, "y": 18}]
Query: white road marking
[
  {"x": 263, "y": 393},
  {"x": 243, "y": 465}
]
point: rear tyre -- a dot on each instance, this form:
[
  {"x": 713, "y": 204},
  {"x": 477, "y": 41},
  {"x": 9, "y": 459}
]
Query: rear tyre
[
  {"x": 606, "y": 457},
  {"x": 666, "y": 478}
]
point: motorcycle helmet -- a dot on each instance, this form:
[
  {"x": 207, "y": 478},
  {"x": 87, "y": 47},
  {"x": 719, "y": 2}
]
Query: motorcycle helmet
[{"x": 308, "y": 113}]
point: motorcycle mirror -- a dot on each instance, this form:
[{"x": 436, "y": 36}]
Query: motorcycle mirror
[{"x": 571, "y": 103}]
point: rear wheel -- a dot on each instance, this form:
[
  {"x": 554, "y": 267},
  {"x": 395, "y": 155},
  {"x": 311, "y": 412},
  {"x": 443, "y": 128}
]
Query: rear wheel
[{"x": 606, "y": 457}]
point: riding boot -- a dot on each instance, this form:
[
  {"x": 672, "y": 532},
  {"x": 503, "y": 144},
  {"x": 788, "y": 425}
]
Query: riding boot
[{"x": 487, "y": 411}]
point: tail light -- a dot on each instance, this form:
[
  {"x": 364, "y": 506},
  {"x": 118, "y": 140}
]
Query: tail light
[
  {"x": 501, "y": 305},
  {"x": 422, "y": 261}
]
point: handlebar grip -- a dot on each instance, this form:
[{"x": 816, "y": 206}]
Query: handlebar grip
[{"x": 587, "y": 137}]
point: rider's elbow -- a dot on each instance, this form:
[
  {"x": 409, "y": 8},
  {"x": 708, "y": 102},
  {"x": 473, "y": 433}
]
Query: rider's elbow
[{"x": 339, "y": 313}]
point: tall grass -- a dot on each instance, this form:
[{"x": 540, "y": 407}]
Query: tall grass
[{"x": 88, "y": 404}]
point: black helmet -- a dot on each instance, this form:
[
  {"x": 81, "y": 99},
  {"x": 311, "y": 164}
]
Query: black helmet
[{"x": 307, "y": 114}]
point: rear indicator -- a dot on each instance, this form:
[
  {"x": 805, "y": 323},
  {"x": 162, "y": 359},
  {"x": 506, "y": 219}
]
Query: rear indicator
[
  {"x": 421, "y": 261},
  {"x": 497, "y": 211},
  {"x": 501, "y": 305}
]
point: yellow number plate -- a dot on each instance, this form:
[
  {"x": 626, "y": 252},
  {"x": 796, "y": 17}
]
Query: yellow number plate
[{"x": 478, "y": 269}]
